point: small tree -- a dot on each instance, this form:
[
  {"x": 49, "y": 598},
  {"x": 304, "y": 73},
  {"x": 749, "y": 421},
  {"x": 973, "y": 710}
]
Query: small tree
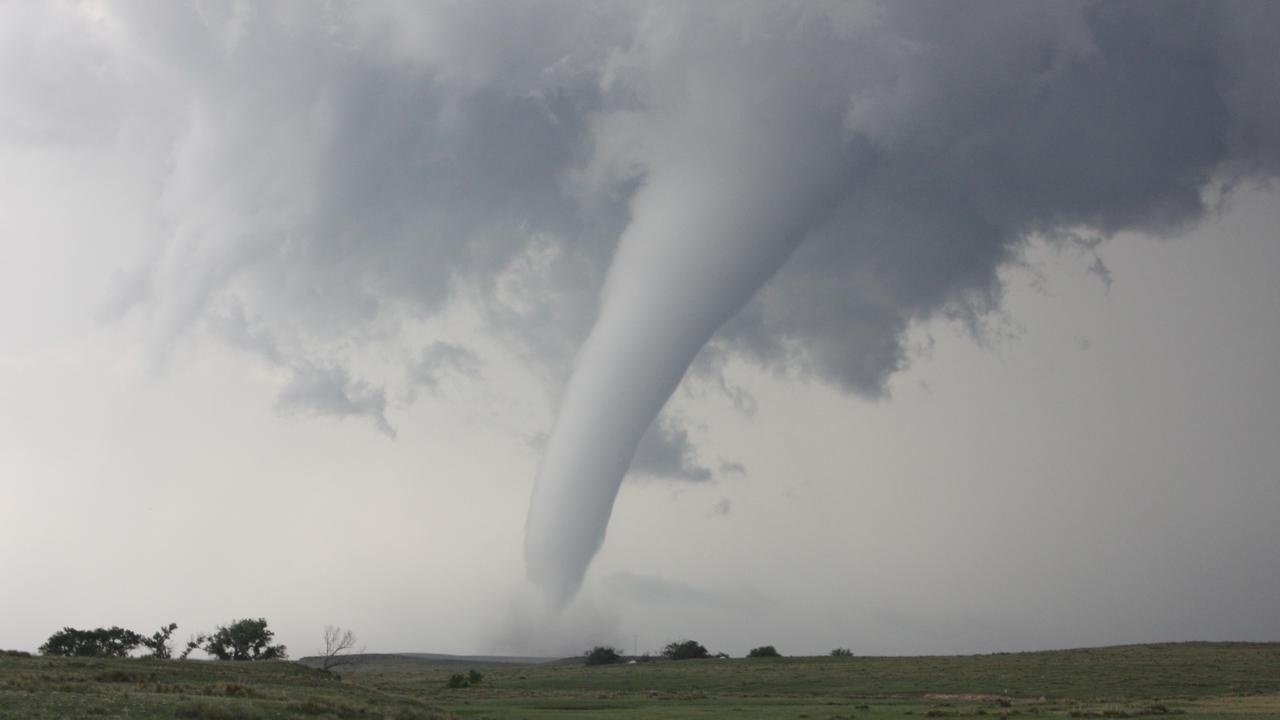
[
  {"x": 99, "y": 642},
  {"x": 336, "y": 642},
  {"x": 158, "y": 643},
  {"x": 194, "y": 642},
  {"x": 685, "y": 650},
  {"x": 842, "y": 652},
  {"x": 763, "y": 651},
  {"x": 457, "y": 681},
  {"x": 246, "y": 639},
  {"x": 602, "y": 655},
  {"x": 474, "y": 677}
]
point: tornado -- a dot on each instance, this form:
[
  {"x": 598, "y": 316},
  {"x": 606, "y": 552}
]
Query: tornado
[{"x": 719, "y": 212}]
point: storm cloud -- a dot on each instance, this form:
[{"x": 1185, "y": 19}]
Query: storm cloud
[{"x": 843, "y": 170}]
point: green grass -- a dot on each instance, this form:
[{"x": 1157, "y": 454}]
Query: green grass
[
  {"x": 39, "y": 687},
  {"x": 1191, "y": 680}
]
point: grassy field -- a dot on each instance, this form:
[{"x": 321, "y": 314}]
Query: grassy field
[{"x": 1192, "y": 680}]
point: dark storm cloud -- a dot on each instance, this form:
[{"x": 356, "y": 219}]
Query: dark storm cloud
[
  {"x": 986, "y": 123},
  {"x": 326, "y": 164}
]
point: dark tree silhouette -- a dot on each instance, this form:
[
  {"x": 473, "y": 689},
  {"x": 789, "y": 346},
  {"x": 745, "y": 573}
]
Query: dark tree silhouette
[
  {"x": 158, "y": 643},
  {"x": 99, "y": 642},
  {"x": 602, "y": 655},
  {"x": 246, "y": 639},
  {"x": 685, "y": 650}
]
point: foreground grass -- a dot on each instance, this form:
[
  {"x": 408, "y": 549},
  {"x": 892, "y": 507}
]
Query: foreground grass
[
  {"x": 1195, "y": 680},
  {"x": 1191, "y": 680},
  {"x": 126, "y": 688}
]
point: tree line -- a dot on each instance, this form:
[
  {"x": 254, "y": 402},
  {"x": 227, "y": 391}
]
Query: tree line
[
  {"x": 687, "y": 650},
  {"x": 242, "y": 640}
]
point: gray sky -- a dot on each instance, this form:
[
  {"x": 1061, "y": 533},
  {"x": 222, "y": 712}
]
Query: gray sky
[{"x": 291, "y": 295}]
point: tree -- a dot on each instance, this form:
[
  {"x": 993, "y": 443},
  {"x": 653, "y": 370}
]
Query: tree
[
  {"x": 685, "y": 650},
  {"x": 602, "y": 655},
  {"x": 107, "y": 642},
  {"x": 194, "y": 642},
  {"x": 336, "y": 642},
  {"x": 764, "y": 651},
  {"x": 99, "y": 642},
  {"x": 158, "y": 643},
  {"x": 842, "y": 652},
  {"x": 246, "y": 639}
]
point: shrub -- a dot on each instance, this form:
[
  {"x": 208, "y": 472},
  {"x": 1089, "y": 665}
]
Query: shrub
[
  {"x": 764, "y": 651},
  {"x": 14, "y": 653},
  {"x": 842, "y": 652},
  {"x": 685, "y": 650},
  {"x": 474, "y": 677},
  {"x": 456, "y": 681},
  {"x": 602, "y": 655}
]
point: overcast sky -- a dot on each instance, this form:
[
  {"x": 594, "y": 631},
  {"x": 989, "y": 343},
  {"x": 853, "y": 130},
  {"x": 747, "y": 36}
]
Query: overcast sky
[{"x": 292, "y": 292}]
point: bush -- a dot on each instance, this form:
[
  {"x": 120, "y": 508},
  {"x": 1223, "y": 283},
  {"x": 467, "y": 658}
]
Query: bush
[
  {"x": 474, "y": 677},
  {"x": 842, "y": 652},
  {"x": 685, "y": 650},
  {"x": 457, "y": 681},
  {"x": 764, "y": 651},
  {"x": 602, "y": 655},
  {"x": 14, "y": 653}
]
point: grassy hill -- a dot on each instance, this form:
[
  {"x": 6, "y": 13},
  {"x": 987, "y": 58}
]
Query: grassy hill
[{"x": 1193, "y": 680}]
